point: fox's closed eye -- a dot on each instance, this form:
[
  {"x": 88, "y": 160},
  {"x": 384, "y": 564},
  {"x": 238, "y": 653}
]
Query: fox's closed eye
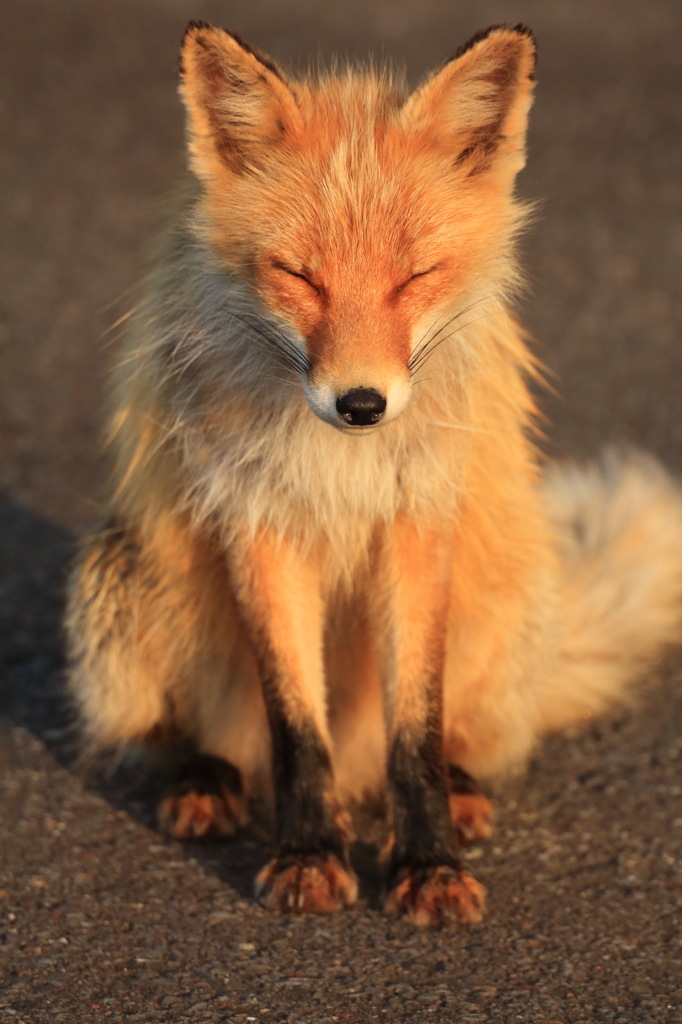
[
  {"x": 300, "y": 274},
  {"x": 415, "y": 276}
]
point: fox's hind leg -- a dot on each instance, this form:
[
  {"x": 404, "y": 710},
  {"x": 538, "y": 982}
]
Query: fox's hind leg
[
  {"x": 471, "y": 810},
  {"x": 154, "y": 665}
]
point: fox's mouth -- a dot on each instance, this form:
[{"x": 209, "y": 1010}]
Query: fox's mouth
[{"x": 356, "y": 431}]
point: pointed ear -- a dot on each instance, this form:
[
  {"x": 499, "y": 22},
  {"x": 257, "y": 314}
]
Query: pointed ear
[
  {"x": 238, "y": 104},
  {"x": 477, "y": 104}
]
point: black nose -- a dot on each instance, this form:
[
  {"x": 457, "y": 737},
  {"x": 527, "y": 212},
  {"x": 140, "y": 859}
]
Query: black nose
[{"x": 361, "y": 407}]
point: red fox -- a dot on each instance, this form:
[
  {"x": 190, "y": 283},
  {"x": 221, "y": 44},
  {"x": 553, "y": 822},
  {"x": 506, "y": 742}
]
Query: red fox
[{"x": 333, "y": 570}]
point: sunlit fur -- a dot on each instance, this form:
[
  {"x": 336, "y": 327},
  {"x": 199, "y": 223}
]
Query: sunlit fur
[{"x": 291, "y": 266}]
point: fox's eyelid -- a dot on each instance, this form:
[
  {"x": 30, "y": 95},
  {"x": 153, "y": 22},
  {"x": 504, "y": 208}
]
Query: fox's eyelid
[
  {"x": 418, "y": 273},
  {"x": 423, "y": 273},
  {"x": 295, "y": 273}
]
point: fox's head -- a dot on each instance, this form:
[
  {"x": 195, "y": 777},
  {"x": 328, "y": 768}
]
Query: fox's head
[{"x": 366, "y": 221}]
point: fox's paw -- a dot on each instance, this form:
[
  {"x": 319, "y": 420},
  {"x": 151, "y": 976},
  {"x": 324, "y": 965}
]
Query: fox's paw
[
  {"x": 472, "y": 816},
  {"x": 205, "y": 802},
  {"x": 306, "y": 884},
  {"x": 198, "y": 816},
  {"x": 436, "y": 897}
]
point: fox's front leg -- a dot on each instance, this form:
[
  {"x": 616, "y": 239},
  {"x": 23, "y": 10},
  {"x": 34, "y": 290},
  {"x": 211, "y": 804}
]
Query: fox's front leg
[
  {"x": 427, "y": 883},
  {"x": 278, "y": 592}
]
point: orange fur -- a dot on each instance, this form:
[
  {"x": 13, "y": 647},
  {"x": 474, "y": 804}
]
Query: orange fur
[{"x": 343, "y": 234}]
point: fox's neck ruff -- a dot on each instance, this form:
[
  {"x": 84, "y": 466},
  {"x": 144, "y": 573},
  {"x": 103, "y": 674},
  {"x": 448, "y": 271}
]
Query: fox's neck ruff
[{"x": 230, "y": 424}]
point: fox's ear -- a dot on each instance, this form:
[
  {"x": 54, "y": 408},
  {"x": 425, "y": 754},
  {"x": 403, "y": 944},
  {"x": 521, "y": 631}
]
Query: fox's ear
[
  {"x": 238, "y": 104},
  {"x": 477, "y": 104}
]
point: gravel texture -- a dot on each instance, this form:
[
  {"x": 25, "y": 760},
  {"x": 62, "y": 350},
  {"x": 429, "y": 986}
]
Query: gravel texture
[{"x": 101, "y": 918}]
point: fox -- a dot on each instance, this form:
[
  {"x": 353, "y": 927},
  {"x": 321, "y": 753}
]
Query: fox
[{"x": 334, "y": 569}]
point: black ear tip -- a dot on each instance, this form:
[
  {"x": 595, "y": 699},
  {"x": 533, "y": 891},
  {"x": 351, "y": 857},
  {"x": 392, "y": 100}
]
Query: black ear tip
[
  {"x": 478, "y": 37},
  {"x": 523, "y": 30},
  {"x": 192, "y": 30},
  {"x": 195, "y": 26}
]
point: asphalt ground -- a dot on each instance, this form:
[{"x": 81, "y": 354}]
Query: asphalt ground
[{"x": 101, "y": 918}]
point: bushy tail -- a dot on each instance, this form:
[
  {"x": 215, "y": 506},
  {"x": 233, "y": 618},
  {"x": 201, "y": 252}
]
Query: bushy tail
[{"x": 619, "y": 524}]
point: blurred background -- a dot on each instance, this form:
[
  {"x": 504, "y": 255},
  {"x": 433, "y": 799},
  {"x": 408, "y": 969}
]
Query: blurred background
[{"x": 91, "y": 140}]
